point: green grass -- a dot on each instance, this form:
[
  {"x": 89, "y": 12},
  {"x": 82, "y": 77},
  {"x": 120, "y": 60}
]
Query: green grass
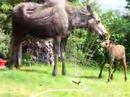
[{"x": 36, "y": 81}]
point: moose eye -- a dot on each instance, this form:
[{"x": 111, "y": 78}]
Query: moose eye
[
  {"x": 97, "y": 22},
  {"x": 106, "y": 43}
]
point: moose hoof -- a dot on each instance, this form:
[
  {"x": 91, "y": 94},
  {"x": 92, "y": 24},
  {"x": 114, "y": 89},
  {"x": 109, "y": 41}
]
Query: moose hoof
[
  {"x": 125, "y": 78},
  {"x": 54, "y": 74},
  {"x": 63, "y": 73},
  {"x": 108, "y": 80},
  {"x": 17, "y": 67},
  {"x": 99, "y": 76},
  {"x": 111, "y": 77}
]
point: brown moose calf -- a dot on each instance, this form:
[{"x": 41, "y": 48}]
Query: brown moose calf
[{"x": 115, "y": 53}]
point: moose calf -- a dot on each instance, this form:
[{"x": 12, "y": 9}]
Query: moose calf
[{"x": 115, "y": 53}]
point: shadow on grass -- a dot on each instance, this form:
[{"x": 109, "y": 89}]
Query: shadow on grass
[
  {"x": 86, "y": 77},
  {"x": 3, "y": 69},
  {"x": 35, "y": 71}
]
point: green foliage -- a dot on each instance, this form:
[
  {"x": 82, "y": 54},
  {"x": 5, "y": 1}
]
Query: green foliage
[
  {"x": 27, "y": 59},
  {"x": 128, "y": 4},
  {"x": 73, "y": 0},
  {"x": 81, "y": 47},
  {"x": 5, "y": 26},
  {"x": 117, "y": 25},
  {"x": 4, "y": 44},
  {"x": 74, "y": 45},
  {"x": 5, "y": 13}
]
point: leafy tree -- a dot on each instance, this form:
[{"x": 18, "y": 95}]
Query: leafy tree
[{"x": 128, "y": 4}]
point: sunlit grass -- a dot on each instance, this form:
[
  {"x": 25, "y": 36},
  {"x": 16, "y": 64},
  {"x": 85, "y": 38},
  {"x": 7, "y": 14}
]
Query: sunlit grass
[{"x": 37, "y": 81}]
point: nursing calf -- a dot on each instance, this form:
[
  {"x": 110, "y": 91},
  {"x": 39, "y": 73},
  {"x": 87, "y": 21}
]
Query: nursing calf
[{"x": 115, "y": 53}]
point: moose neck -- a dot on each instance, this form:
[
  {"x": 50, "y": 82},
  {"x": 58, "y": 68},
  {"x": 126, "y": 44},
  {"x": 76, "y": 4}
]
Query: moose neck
[{"x": 77, "y": 19}]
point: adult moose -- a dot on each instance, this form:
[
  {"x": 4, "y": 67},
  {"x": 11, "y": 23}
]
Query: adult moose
[{"x": 51, "y": 19}]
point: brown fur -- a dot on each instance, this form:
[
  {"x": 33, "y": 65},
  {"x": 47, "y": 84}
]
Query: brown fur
[
  {"x": 115, "y": 52},
  {"x": 52, "y": 21}
]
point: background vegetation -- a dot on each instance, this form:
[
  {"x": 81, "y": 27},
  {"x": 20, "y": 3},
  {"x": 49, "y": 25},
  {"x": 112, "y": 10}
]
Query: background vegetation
[{"x": 85, "y": 47}]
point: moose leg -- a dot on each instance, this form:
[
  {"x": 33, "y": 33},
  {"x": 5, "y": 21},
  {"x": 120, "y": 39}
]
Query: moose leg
[
  {"x": 56, "y": 49},
  {"x": 16, "y": 47},
  {"x": 101, "y": 69},
  {"x": 105, "y": 60},
  {"x": 110, "y": 70},
  {"x": 115, "y": 68},
  {"x": 14, "y": 54},
  {"x": 125, "y": 68},
  {"x": 100, "y": 74},
  {"x": 62, "y": 54},
  {"x": 20, "y": 54},
  {"x": 102, "y": 66},
  {"x": 63, "y": 64},
  {"x": 64, "y": 43}
]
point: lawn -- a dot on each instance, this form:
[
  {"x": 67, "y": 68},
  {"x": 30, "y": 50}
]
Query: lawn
[{"x": 36, "y": 81}]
